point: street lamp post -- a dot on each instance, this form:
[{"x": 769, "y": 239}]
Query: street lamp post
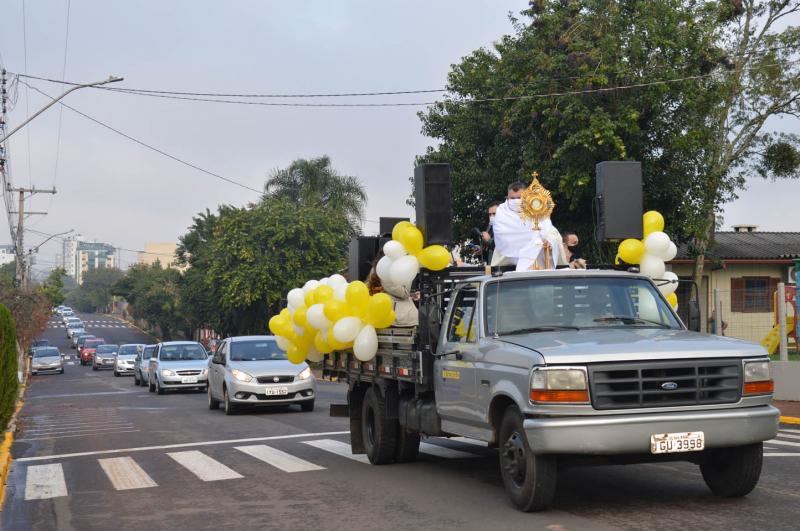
[{"x": 111, "y": 79}]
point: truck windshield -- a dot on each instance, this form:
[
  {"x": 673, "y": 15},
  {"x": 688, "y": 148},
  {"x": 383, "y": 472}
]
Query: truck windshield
[{"x": 545, "y": 304}]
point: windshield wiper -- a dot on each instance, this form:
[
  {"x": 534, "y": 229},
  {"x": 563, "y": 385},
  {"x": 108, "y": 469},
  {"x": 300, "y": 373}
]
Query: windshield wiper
[
  {"x": 630, "y": 320},
  {"x": 534, "y": 329}
]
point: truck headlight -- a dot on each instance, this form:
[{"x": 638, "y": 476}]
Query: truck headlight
[
  {"x": 757, "y": 378},
  {"x": 560, "y": 385},
  {"x": 167, "y": 372},
  {"x": 305, "y": 374},
  {"x": 205, "y": 372},
  {"x": 241, "y": 376}
]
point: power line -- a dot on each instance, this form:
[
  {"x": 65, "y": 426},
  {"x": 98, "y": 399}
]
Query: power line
[
  {"x": 148, "y": 146},
  {"x": 27, "y": 93},
  {"x": 61, "y": 109}
]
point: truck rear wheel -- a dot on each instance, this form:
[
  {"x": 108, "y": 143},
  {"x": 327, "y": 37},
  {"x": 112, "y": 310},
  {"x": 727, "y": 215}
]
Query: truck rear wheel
[
  {"x": 530, "y": 479},
  {"x": 380, "y": 434},
  {"x": 732, "y": 472},
  {"x": 407, "y": 445}
]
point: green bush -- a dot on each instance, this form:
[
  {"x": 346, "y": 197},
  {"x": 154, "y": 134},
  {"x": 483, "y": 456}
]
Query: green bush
[{"x": 8, "y": 366}]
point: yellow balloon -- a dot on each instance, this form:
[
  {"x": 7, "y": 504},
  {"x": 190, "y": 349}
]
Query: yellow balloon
[
  {"x": 321, "y": 344},
  {"x": 296, "y": 354},
  {"x": 335, "y": 345},
  {"x": 672, "y": 299},
  {"x": 309, "y": 298},
  {"x": 652, "y": 221},
  {"x": 631, "y": 251},
  {"x": 299, "y": 316},
  {"x": 434, "y": 257},
  {"x": 357, "y": 296},
  {"x": 412, "y": 239},
  {"x": 286, "y": 314},
  {"x": 274, "y": 324},
  {"x": 398, "y": 228},
  {"x": 386, "y": 322},
  {"x": 378, "y": 309},
  {"x": 335, "y": 309},
  {"x": 323, "y": 294}
]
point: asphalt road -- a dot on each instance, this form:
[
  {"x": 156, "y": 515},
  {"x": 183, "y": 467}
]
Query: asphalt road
[{"x": 95, "y": 452}]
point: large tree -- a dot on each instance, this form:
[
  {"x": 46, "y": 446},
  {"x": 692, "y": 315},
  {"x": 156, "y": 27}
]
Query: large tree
[
  {"x": 95, "y": 293},
  {"x": 316, "y": 182},
  {"x": 152, "y": 292},
  {"x": 53, "y": 286},
  {"x": 584, "y": 81}
]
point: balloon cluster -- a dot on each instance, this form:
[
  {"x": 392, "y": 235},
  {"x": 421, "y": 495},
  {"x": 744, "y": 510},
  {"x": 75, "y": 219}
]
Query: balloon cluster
[
  {"x": 404, "y": 254},
  {"x": 650, "y": 254},
  {"x": 331, "y": 314}
]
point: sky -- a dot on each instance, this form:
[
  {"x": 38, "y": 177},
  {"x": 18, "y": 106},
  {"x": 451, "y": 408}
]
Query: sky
[{"x": 113, "y": 190}]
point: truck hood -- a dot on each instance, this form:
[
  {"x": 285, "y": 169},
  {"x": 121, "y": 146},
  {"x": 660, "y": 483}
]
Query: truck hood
[{"x": 631, "y": 344}]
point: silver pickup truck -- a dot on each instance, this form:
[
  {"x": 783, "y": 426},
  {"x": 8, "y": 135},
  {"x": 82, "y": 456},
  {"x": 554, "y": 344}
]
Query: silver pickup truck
[{"x": 561, "y": 367}]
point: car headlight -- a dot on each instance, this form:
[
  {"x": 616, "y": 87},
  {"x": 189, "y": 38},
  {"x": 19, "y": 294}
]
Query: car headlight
[
  {"x": 559, "y": 385},
  {"x": 205, "y": 372},
  {"x": 241, "y": 375},
  {"x": 167, "y": 372},
  {"x": 757, "y": 378},
  {"x": 305, "y": 374}
]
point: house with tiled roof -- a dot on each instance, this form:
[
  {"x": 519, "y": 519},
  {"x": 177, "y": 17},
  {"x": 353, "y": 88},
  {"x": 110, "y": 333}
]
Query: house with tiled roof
[{"x": 743, "y": 268}]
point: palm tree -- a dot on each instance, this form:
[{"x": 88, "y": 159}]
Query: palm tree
[{"x": 314, "y": 181}]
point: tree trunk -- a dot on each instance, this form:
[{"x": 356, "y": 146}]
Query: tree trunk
[{"x": 701, "y": 244}]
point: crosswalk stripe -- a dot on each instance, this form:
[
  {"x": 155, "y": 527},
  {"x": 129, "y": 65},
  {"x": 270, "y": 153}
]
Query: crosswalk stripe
[
  {"x": 125, "y": 474},
  {"x": 784, "y": 443},
  {"x": 44, "y": 482},
  {"x": 338, "y": 448},
  {"x": 788, "y": 436},
  {"x": 441, "y": 451},
  {"x": 204, "y": 467},
  {"x": 784, "y": 454},
  {"x": 278, "y": 458},
  {"x": 787, "y": 430}
]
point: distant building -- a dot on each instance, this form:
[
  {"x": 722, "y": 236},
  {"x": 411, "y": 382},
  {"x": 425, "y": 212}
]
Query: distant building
[
  {"x": 7, "y": 255},
  {"x": 91, "y": 256},
  {"x": 69, "y": 257},
  {"x": 162, "y": 252}
]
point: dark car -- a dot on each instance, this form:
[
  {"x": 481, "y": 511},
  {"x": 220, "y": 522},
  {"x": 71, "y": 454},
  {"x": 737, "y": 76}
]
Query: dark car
[
  {"x": 89, "y": 348},
  {"x": 37, "y": 344}
]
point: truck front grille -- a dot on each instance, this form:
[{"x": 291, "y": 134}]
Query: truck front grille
[{"x": 665, "y": 383}]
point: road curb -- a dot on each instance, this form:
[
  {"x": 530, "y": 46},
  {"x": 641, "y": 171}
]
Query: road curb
[
  {"x": 5, "y": 463},
  {"x": 790, "y": 420},
  {"x": 132, "y": 324}
]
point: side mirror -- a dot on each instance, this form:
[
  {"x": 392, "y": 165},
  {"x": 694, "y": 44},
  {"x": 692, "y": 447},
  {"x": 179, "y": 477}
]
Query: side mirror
[{"x": 694, "y": 316}]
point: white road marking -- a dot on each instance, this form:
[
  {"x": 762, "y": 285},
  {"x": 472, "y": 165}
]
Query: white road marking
[
  {"x": 795, "y": 454},
  {"x": 441, "y": 451},
  {"x": 278, "y": 458},
  {"x": 467, "y": 440},
  {"x": 786, "y": 430},
  {"x": 78, "y": 435},
  {"x": 124, "y": 473},
  {"x": 57, "y": 425},
  {"x": 788, "y": 436},
  {"x": 783, "y": 443},
  {"x": 45, "y": 481},
  {"x": 338, "y": 448},
  {"x": 179, "y": 445},
  {"x": 64, "y": 431},
  {"x": 204, "y": 467},
  {"x": 80, "y": 394}
]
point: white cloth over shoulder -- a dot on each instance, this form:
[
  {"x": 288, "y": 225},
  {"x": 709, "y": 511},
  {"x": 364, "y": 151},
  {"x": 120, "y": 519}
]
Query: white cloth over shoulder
[{"x": 515, "y": 238}]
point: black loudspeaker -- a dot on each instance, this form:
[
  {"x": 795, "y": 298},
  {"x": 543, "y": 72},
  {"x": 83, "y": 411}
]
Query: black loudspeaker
[
  {"x": 619, "y": 200},
  {"x": 433, "y": 202},
  {"x": 387, "y": 224},
  {"x": 362, "y": 252}
]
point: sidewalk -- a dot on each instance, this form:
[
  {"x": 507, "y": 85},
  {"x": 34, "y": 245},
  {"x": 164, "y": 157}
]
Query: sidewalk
[{"x": 790, "y": 411}]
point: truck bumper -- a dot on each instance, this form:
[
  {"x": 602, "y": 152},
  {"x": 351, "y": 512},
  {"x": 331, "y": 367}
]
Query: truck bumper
[{"x": 630, "y": 434}]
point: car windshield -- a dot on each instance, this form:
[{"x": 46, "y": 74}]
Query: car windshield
[
  {"x": 148, "y": 352},
  {"x": 83, "y": 339},
  {"x": 41, "y": 343},
  {"x": 182, "y": 353},
  {"x": 93, "y": 343},
  {"x": 46, "y": 352},
  {"x": 107, "y": 349},
  {"x": 256, "y": 350},
  {"x": 546, "y": 304},
  {"x": 130, "y": 350},
  {"x": 75, "y": 325}
]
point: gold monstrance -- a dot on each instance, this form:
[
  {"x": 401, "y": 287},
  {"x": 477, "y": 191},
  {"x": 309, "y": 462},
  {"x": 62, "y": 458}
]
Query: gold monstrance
[{"x": 538, "y": 204}]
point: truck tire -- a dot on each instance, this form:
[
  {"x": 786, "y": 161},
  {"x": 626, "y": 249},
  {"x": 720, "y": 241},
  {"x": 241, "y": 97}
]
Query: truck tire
[
  {"x": 530, "y": 479},
  {"x": 407, "y": 445},
  {"x": 380, "y": 434},
  {"x": 732, "y": 472}
]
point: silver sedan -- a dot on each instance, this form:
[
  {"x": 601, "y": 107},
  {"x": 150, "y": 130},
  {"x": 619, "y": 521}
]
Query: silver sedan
[
  {"x": 47, "y": 359},
  {"x": 178, "y": 365}
]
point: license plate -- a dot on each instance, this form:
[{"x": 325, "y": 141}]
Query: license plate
[
  {"x": 668, "y": 443},
  {"x": 189, "y": 379},
  {"x": 276, "y": 391}
]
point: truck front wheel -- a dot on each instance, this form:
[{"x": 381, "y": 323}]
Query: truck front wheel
[
  {"x": 530, "y": 479},
  {"x": 380, "y": 433},
  {"x": 732, "y": 472}
]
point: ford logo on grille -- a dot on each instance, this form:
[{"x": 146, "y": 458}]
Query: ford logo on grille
[
  {"x": 276, "y": 380},
  {"x": 669, "y": 386}
]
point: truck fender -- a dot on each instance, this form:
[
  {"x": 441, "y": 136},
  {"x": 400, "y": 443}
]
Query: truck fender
[{"x": 355, "y": 399}]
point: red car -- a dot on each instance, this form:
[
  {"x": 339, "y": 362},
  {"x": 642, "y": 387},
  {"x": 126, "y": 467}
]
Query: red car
[{"x": 89, "y": 348}]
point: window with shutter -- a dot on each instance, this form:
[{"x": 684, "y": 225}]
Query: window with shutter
[
  {"x": 753, "y": 294},
  {"x": 737, "y": 294}
]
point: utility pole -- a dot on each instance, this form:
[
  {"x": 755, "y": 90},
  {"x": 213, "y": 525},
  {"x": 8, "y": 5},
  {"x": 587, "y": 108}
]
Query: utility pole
[{"x": 22, "y": 270}]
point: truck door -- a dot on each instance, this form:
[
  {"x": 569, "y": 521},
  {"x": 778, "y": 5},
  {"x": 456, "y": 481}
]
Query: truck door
[{"x": 455, "y": 374}]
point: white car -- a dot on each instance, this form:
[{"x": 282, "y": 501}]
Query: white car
[
  {"x": 178, "y": 365},
  {"x": 74, "y": 328},
  {"x": 125, "y": 358}
]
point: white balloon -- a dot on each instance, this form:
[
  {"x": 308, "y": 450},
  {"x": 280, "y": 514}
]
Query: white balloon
[
  {"x": 404, "y": 270},
  {"x": 667, "y": 288},
  {"x": 384, "y": 267},
  {"x": 394, "y": 249},
  {"x": 346, "y": 329},
  {"x": 366, "y": 344},
  {"x": 314, "y": 355},
  {"x": 296, "y": 297},
  {"x": 340, "y": 292},
  {"x": 298, "y": 330},
  {"x": 282, "y": 343},
  {"x": 336, "y": 280},
  {"x": 672, "y": 252},
  {"x": 316, "y": 317},
  {"x": 657, "y": 244},
  {"x": 311, "y": 285},
  {"x": 652, "y": 266},
  {"x": 325, "y": 281}
]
